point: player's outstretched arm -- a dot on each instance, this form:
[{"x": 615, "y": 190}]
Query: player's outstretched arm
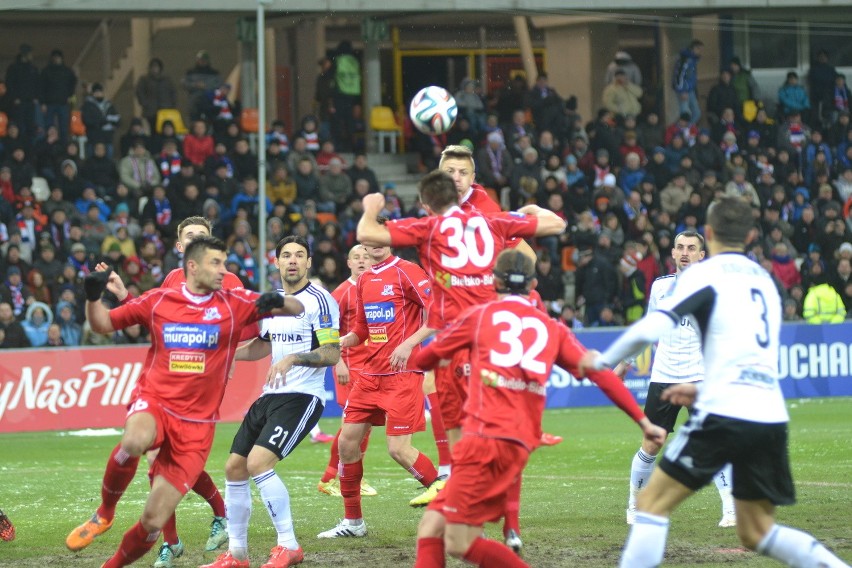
[
  {"x": 274, "y": 304},
  {"x": 652, "y": 432},
  {"x": 646, "y": 330},
  {"x": 369, "y": 231},
  {"x": 682, "y": 394},
  {"x": 549, "y": 223},
  {"x": 253, "y": 350},
  {"x": 96, "y": 312}
]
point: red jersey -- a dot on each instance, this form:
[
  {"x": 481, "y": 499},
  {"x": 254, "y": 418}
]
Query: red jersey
[
  {"x": 513, "y": 347},
  {"x": 346, "y": 296},
  {"x": 477, "y": 198},
  {"x": 193, "y": 339},
  {"x": 391, "y": 296},
  {"x": 458, "y": 250}
]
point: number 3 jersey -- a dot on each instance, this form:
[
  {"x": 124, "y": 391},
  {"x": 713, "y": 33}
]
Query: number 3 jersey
[
  {"x": 738, "y": 312},
  {"x": 318, "y": 325},
  {"x": 513, "y": 347},
  {"x": 458, "y": 250}
]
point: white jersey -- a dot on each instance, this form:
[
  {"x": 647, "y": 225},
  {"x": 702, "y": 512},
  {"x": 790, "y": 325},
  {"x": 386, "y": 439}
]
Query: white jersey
[
  {"x": 738, "y": 312},
  {"x": 678, "y": 356},
  {"x": 318, "y": 325}
]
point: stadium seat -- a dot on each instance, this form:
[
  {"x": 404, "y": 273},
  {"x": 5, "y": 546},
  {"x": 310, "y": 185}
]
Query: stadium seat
[
  {"x": 40, "y": 189},
  {"x": 568, "y": 259},
  {"x": 249, "y": 124},
  {"x": 78, "y": 131},
  {"x": 4, "y": 124},
  {"x": 174, "y": 115},
  {"x": 323, "y": 218},
  {"x": 385, "y": 127}
]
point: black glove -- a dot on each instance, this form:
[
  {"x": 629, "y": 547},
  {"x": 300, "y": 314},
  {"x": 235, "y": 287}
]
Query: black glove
[
  {"x": 95, "y": 284},
  {"x": 268, "y": 302}
]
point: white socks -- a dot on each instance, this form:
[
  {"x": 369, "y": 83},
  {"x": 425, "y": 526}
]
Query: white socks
[
  {"x": 724, "y": 483},
  {"x": 275, "y": 497},
  {"x": 647, "y": 542},
  {"x": 640, "y": 472},
  {"x": 315, "y": 431},
  {"x": 797, "y": 549},
  {"x": 238, "y": 510}
]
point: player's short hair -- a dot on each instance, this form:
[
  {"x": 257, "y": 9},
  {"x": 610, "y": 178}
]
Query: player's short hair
[
  {"x": 352, "y": 250},
  {"x": 459, "y": 152},
  {"x": 689, "y": 233},
  {"x": 438, "y": 190},
  {"x": 731, "y": 220},
  {"x": 514, "y": 272},
  {"x": 196, "y": 220},
  {"x": 199, "y": 246},
  {"x": 301, "y": 241}
]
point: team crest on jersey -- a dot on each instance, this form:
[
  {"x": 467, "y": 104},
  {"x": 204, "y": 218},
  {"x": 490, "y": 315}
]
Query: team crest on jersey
[
  {"x": 387, "y": 290},
  {"x": 325, "y": 320},
  {"x": 212, "y": 314}
]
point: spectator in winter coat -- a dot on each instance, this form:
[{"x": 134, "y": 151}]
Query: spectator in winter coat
[
  {"x": 685, "y": 80},
  {"x": 101, "y": 119},
  {"x": 37, "y": 321},
  {"x": 792, "y": 97},
  {"x": 155, "y": 91},
  {"x": 58, "y": 85}
]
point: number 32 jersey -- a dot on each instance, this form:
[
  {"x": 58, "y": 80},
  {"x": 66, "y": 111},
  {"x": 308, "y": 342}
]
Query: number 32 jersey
[
  {"x": 458, "y": 250},
  {"x": 513, "y": 347},
  {"x": 738, "y": 311}
]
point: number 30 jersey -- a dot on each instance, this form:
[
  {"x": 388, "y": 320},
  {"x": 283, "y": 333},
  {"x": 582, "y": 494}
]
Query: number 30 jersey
[
  {"x": 458, "y": 250},
  {"x": 513, "y": 346},
  {"x": 738, "y": 311}
]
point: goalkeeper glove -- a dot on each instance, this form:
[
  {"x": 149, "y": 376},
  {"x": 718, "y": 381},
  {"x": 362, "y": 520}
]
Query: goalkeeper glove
[
  {"x": 268, "y": 302},
  {"x": 95, "y": 284}
]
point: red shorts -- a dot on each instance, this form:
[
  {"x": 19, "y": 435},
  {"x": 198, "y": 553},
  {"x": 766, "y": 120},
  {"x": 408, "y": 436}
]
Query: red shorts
[
  {"x": 342, "y": 391},
  {"x": 184, "y": 445},
  {"x": 393, "y": 399},
  {"x": 483, "y": 471},
  {"x": 451, "y": 385}
]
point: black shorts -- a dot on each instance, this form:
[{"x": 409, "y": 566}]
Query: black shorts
[
  {"x": 661, "y": 412},
  {"x": 277, "y": 422},
  {"x": 756, "y": 451}
]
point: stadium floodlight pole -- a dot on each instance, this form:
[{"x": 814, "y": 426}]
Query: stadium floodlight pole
[{"x": 261, "y": 141}]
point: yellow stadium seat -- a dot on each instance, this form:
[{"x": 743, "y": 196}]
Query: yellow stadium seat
[
  {"x": 173, "y": 115},
  {"x": 384, "y": 125}
]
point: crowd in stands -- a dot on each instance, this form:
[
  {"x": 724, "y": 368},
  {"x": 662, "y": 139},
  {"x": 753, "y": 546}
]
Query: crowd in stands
[{"x": 626, "y": 182}]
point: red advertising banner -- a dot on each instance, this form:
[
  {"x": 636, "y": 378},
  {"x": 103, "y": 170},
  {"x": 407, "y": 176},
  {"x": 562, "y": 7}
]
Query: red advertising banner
[{"x": 90, "y": 387}]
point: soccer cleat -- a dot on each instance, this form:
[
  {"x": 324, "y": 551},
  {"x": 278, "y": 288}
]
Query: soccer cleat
[
  {"x": 550, "y": 439},
  {"x": 7, "y": 529},
  {"x": 225, "y": 560},
  {"x": 82, "y": 536},
  {"x": 218, "y": 534},
  {"x": 513, "y": 541},
  {"x": 322, "y": 438},
  {"x": 345, "y": 529},
  {"x": 330, "y": 487},
  {"x": 367, "y": 490},
  {"x": 167, "y": 554},
  {"x": 631, "y": 514},
  {"x": 282, "y": 557},
  {"x": 729, "y": 519},
  {"x": 429, "y": 495}
]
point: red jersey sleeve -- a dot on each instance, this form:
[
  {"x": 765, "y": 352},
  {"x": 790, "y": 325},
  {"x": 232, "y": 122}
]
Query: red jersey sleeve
[
  {"x": 513, "y": 225},
  {"x": 360, "y": 323},
  {"x": 410, "y": 232},
  {"x": 137, "y": 310},
  {"x": 417, "y": 286}
]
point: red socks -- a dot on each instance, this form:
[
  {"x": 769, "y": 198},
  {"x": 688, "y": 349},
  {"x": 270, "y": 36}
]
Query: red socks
[
  {"x": 206, "y": 487},
  {"x": 170, "y": 535},
  {"x": 135, "y": 544},
  {"x": 120, "y": 470},
  {"x": 492, "y": 554},
  {"x": 430, "y": 553},
  {"x": 350, "y": 487},
  {"x": 334, "y": 456},
  {"x": 511, "y": 516},
  {"x": 438, "y": 430},
  {"x": 423, "y": 470}
]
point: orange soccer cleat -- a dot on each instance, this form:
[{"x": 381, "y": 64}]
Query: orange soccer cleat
[{"x": 282, "y": 557}]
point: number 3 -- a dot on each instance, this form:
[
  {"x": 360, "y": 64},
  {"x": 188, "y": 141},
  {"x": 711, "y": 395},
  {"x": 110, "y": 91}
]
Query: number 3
[
  {"x": 761, "y": 341},
  {"x": 512, "y": 338},
  {"x": 462, "y": 238}
]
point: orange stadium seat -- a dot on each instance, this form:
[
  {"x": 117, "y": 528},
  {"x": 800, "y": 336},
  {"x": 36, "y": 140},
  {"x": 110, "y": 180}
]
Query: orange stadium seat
[
  {"x": 4, "y": 123},
  {"x": 249, "y": 121}
]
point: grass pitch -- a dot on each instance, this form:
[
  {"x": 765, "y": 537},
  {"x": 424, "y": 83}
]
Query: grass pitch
[{"x": 572, "y": 512}]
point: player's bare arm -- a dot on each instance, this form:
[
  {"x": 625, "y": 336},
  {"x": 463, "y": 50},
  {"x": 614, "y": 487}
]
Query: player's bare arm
[
  {"x": 682, "y": 394},
  {"x": 351, "y": 339},
  {"x": 549, "y": 223},
  {"x": 369, "y": 231},
  {"x": 341, "y": 371},
  {"x": 400, "y": 355},
  {"x": 323, "y": 356},
  {"x": 253, "y": 350}
]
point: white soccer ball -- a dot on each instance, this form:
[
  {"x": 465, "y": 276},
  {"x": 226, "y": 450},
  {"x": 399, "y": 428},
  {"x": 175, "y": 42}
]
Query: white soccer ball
[{"x": 433, "y": 110}]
